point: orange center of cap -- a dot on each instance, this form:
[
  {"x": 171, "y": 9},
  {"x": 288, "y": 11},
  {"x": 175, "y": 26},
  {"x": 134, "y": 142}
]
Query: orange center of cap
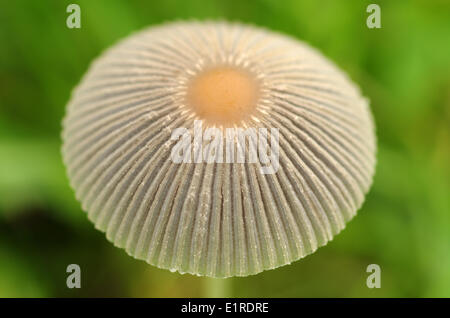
[{"x": 223, "y": 96}]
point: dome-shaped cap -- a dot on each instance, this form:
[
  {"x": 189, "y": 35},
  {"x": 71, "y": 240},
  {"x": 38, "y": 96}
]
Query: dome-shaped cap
[{"x": 166, "y": 202}]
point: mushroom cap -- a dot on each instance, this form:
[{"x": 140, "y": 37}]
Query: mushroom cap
[{"x": 217, "y": 219}]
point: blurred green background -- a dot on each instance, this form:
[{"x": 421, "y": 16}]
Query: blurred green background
[{"x": 404, "y": 225}]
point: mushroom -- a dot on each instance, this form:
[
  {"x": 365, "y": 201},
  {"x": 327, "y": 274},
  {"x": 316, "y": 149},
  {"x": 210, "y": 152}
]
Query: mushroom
[{"x": 217, "y": 218}]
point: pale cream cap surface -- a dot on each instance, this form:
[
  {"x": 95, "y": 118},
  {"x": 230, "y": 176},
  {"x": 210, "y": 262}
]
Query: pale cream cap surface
[{"x": 217, "y": 219}]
